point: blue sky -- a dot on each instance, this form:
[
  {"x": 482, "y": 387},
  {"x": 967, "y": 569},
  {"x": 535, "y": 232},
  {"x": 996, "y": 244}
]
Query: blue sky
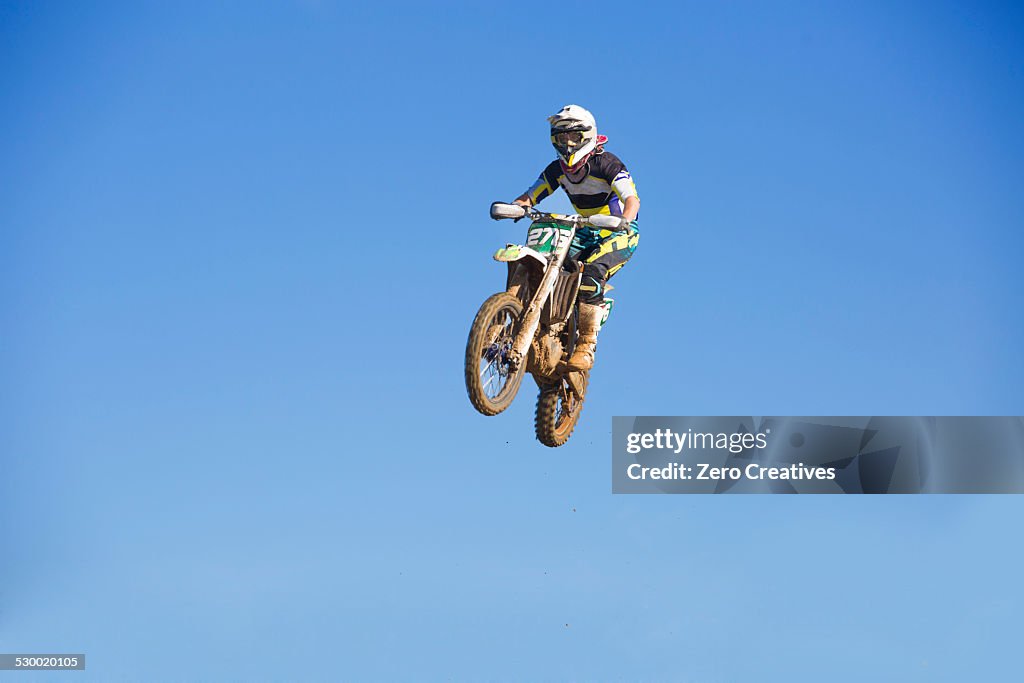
[{"x": 240, "y": 249}]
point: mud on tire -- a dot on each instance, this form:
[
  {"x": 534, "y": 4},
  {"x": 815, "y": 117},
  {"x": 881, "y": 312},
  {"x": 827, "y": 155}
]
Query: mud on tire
[{"x": 558, "y": 410}]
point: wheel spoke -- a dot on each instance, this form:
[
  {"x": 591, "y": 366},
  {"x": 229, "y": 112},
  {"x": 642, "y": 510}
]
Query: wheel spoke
[
  {"x": 493, "y": 373},
  {"x": 497, "y": 381}
]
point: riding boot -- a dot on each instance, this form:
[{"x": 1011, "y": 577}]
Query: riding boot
[{"x": 586, "y": 346}]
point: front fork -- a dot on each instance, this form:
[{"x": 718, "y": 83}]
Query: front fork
[{"x": 531, "y": 319}]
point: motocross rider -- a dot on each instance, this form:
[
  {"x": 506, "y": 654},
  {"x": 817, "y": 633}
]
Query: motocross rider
[{"x": 597, "y": 182}]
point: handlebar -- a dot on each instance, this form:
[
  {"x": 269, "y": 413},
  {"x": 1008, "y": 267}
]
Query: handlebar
[{"x": 501, "y": 210}]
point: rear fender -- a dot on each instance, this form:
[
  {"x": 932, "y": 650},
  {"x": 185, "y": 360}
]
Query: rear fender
[{"x": 606, "y": 308}]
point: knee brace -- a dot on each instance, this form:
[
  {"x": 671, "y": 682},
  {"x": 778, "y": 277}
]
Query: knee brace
[{"x": 592, "y": 285}]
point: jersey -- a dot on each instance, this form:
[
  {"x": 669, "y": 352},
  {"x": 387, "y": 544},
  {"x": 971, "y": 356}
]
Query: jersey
[{"x": 602, "y": 191}]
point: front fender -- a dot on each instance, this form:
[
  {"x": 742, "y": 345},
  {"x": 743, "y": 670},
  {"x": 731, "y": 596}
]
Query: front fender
[{"x": 517, "y": 252}]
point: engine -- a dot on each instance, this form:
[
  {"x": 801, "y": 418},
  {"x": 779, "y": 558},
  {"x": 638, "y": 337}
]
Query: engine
[{"x": 545, "y": 354}]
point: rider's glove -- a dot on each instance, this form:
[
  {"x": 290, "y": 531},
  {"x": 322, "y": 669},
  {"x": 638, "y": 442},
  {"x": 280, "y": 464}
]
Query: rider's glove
[{"x": 627, "y": 226}]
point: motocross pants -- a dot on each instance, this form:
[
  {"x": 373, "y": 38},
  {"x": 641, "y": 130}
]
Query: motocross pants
[{"x": 603, "y": 253}]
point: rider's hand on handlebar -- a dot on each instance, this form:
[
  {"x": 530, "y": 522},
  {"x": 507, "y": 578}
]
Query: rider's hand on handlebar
[{"x": 523, "y": 203}]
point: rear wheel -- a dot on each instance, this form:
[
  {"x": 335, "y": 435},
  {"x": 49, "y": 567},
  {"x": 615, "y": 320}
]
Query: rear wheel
[
  {"x": 558, "y": 408},
  {"x": 491, "y": 382}
]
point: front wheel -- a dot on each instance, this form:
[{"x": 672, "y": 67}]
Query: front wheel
[
  {"x": 491, "y": 382},
  {"x": 558, "y": 408}
]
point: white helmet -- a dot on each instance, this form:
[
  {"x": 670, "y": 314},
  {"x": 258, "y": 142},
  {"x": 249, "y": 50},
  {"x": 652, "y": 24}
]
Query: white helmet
[{"x": 574, "y": 136}]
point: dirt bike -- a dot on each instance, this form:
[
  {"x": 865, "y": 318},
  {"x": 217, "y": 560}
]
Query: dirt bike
[{"x": 533, "y": 325}]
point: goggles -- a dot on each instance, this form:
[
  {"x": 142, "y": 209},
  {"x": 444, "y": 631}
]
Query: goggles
[{"x": 573, "y": 138}]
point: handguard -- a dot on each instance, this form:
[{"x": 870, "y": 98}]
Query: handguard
[
  {"x": 500, "y": 210},
  {"x": 610, "y": 223}
]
